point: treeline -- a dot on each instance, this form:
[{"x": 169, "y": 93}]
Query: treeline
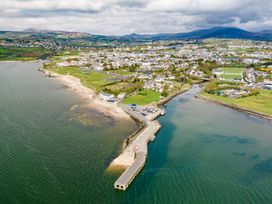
[{"x": 29, "y": 53}]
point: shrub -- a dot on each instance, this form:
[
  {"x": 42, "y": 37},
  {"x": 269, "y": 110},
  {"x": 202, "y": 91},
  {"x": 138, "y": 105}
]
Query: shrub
[
  {"x": 143, "y": 93},
  {"x": 254, "y": 92}
]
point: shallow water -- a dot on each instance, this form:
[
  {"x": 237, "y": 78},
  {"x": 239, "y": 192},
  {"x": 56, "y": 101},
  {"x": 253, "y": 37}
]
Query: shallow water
[
  {"x": 52, "y": 148},
  {"x": 54, "y": 151}
]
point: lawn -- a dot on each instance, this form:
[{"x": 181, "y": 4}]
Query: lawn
[
  {"x": 260, "y": 103},
  {"x": 122, "y": 87},
  {"x": 145, "y": 98},
  {"x": 121, "y": 72},
  {"x": 230, "y": 73},
  {"x": 232, "y": 70},
  {"x": 94, "y": 80},
  {"x": 231, "y": 76}
]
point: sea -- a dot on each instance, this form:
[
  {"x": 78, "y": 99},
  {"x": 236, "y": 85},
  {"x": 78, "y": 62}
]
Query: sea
[{"x": 56, "y": 149}]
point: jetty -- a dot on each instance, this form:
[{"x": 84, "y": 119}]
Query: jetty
[{"x": 134, "y": 156}]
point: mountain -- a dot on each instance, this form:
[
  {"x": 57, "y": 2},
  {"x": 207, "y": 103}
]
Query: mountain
[
  {"x": 218, "y": 32},
  {"x": 267, "y": 32},
  {"x": 65, "y": 37}
]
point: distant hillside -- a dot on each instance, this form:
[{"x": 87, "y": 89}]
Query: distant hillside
[
  {"x": 82, "y": 38},
  {"x": 219, "y": 32}
]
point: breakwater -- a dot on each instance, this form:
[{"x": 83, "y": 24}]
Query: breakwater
[{"x": 134, "y": 156}]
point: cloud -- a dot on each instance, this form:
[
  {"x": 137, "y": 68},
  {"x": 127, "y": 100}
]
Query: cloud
[{"x": 115, "y": 17}]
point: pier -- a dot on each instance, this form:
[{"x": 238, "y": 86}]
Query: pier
[
  {"x": 127, "y": 177},
  {"x": 135, "y": 154}
]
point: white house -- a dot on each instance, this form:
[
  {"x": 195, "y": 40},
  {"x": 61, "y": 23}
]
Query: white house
[
  {"x": 121, "y": 96},
  {"x": 107, "y": 97}
]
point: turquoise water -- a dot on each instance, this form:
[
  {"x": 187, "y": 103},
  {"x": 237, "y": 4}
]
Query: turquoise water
[
  {"x": 207, "y": 153},
  {"x": 204, "y": 153}
]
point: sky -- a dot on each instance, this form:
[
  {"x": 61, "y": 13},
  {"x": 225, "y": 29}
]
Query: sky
[{"x": 119, "y": 17}]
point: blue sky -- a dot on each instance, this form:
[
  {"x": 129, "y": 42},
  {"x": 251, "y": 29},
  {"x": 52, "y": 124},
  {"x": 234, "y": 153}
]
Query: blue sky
[{"x": 117, "y": 17}]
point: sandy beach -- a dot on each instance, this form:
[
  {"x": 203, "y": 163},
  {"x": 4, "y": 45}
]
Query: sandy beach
[{"x": 89, "y": 95}]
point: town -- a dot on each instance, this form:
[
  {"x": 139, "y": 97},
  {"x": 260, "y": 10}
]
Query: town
[
  {"x": 147, "y": 72},
  {"x": 144, "y": 73}
]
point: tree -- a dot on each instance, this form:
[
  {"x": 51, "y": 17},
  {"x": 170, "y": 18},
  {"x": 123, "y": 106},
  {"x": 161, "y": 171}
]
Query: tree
[
  {"x": 172, "y": 68},
  {"x": 260, "y": 79},
  {"x": 165, "y": 91},
  {"x": 254, "y": 92},
  {"x": 211, "y": 87}
]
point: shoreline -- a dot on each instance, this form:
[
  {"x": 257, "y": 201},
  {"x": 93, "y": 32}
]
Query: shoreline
[
  {"x": 143, "y": 125},
  {"x": 114, "y": 110},
  {"x": 22, "y": 61},
  {"x": 235, "y": 107},
  {"x": 88, "y": 95},
  {"x": 127, "y": 155},
  {"x": 134, "y": 148},
  {"x": 126, "y": 158},
  {"x": 171, "y": 96}
]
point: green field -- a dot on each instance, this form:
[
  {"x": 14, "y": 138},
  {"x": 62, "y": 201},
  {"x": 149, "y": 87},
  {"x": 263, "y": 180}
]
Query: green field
[
  {"x": 145, "y": 98},
  {"x": 260, "y": 103},
  {"x": 230, "y": 73},
  {"x": 231, "y": 76},
  {"x": 122, "y": 87},
  {"x": 94, "y": 80},
  {"x": 124, "y": 72},
  {"x": 23, "y": 54},
  {"x": 232, "y": 70}
]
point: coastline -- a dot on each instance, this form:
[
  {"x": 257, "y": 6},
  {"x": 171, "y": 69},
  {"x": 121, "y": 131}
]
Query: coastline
[
  {"x": 119, "y": 111},
  {"x": 133, "y": 157},
  {"x": 235, "y": 107},
  {"x": 22, "y": 61},
  {"x": 173, "y": 95},
  {"x": 74, "y": 84},
  {"x": 127, "y": 155},
  {"x": 126, "y": 158}
]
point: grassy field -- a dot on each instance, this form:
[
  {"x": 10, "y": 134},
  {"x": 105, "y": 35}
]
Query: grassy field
[
  {"x": 121, "y": 72},
  {"x": 260, "y": 103},
  {"x": 145, "y": 98},
  {"x": 94, "y": 80},
  {"x": 230, "y": 73},
  {"x": 231, "y": 76},
  {"x": 232, "y": 70},
  {"x": 122, "y": 87},
  {"x": 23, "y": 54}
]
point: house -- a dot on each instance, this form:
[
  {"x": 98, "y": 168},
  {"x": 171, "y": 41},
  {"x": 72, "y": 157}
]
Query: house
[
  {"x": 145, "y": 76},
  {"x": 268, "y": 86},
  {"x": 217, "y": 72},
  {"x": 98, "y": 67},
  {"x": 250, "y": 61},
  {"x": 121, "y": 96},
  {"x": 150, "y": 85},
  {"x": 195, "y": 73},
  {"x": 159, "y": 79},
  {"x": 107, "y": 97},
  {"x": 232, "y": 93}
]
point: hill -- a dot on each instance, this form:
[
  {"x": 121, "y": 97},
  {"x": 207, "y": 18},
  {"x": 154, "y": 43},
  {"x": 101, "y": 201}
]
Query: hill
[
  {"x": 84, "y": 39},
  {"x": 218, "y": 32}
]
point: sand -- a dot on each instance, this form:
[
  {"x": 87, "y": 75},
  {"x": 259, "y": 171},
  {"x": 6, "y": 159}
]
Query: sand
[{"x": 89, "y": 95}]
